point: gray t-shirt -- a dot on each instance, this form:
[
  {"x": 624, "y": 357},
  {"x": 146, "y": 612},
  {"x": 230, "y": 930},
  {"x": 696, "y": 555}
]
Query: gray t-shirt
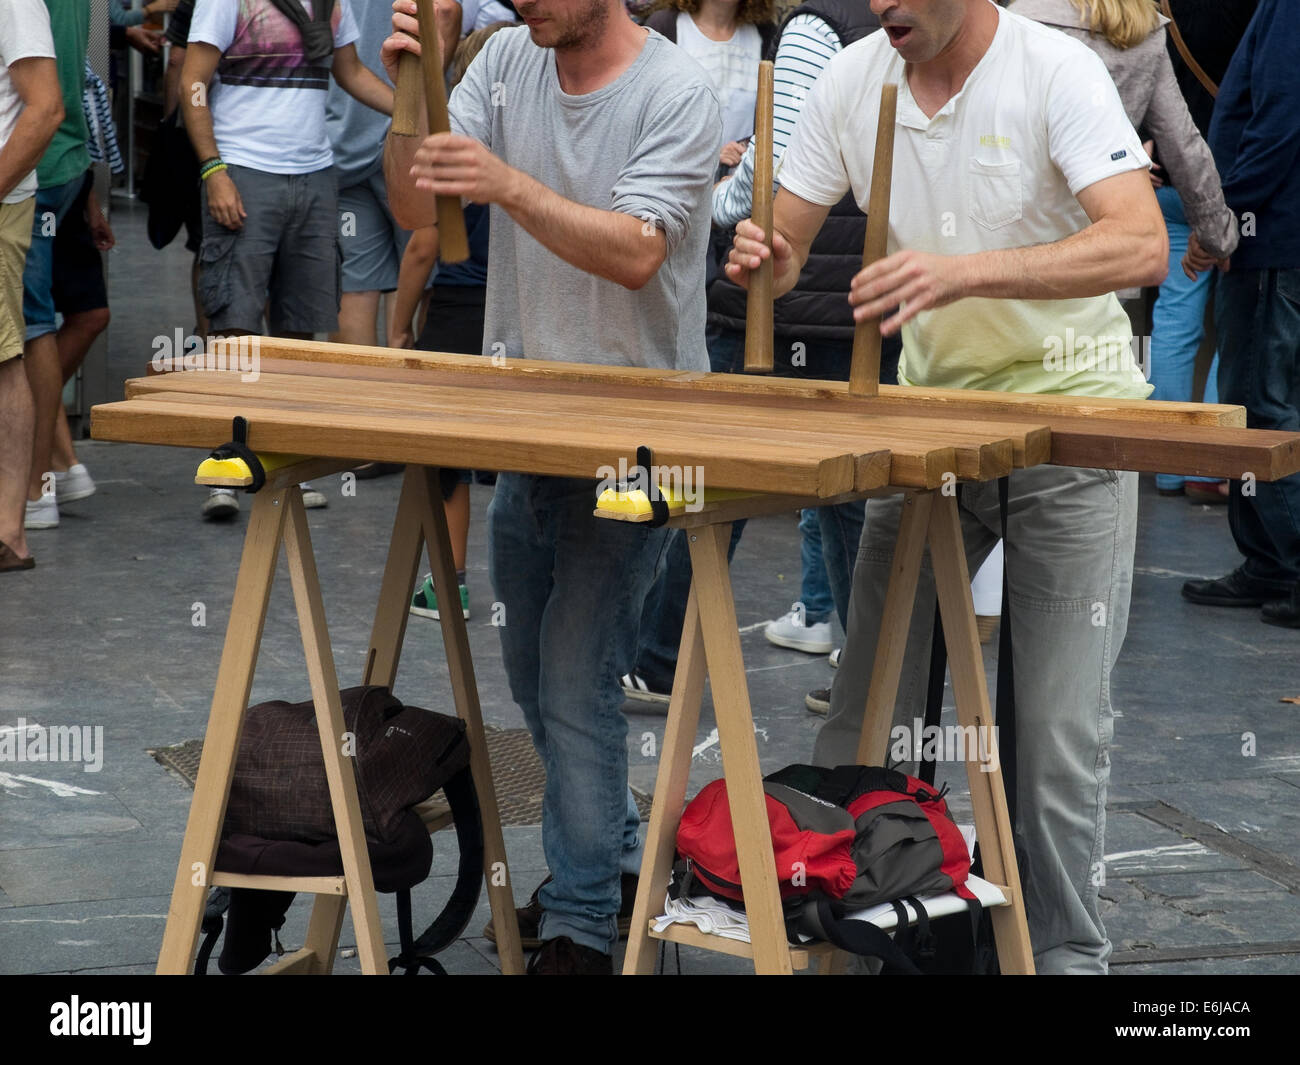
[{"x": 646, "y": 145}]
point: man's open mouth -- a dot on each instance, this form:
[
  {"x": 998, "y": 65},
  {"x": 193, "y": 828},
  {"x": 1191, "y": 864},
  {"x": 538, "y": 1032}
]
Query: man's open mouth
[{"x": 898, "y": 34}]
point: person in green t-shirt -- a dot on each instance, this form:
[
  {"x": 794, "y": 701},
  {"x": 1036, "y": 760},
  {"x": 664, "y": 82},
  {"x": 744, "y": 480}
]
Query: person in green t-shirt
[{"x": 59, "y": 175}]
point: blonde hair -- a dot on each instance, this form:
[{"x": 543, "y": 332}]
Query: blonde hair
[{"x": 1123, "y": 23}]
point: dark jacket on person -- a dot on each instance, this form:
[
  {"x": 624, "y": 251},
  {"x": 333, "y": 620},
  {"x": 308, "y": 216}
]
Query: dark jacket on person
[
  {"x": 1211, "y": 29},
  {"x": 1255, "y": 136},
  {"x": 817, "y": 308}
]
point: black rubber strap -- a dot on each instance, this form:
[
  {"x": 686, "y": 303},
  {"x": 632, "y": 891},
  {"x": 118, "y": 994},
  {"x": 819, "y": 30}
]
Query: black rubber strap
[
  {"x": 857, "y": 937},
  {"x": 238, "y": 449},
  {"x": 455, "y": 916},
  {"x": 658, "y": 504}
]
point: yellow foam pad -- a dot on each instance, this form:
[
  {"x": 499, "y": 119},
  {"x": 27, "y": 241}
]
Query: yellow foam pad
[{"x": 224, "y": 473}]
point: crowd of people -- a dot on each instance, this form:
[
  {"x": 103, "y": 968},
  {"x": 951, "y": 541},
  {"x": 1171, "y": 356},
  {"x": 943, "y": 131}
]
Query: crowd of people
[{"x": 1051, "y": 155}]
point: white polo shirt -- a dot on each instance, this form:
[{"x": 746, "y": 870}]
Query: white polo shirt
[{"x": 998, "y": 166}]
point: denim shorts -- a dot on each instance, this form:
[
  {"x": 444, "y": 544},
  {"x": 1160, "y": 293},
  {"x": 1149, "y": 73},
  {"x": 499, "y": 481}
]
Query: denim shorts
[
  {"x": 371, "y": 240},
  {"x": 286, "y": 255},
  {"x": 52, "y": 206}
]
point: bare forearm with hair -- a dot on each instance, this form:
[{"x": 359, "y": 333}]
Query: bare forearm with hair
[
  {"x": 195, "y": 77},
  {"x": 360, "y": 82},
  {"x": 417, "y": 261},
  {"x": 617, "y": 247},
  {"x": 1106, "y": 256}
]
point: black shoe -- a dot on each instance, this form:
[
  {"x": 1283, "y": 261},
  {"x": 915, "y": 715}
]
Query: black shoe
[
  {"x": 563, "y": 957},
  {"x": 1285, "y": 612},
  {"x": 530, "y": 916},
  {"x": 1236, "y": 589}
]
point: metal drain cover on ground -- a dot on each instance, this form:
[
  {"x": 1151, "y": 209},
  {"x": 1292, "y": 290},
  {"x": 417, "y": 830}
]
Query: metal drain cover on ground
[{"x": 516, "y": 771}]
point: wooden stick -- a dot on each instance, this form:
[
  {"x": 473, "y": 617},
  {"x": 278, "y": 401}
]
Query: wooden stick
[
  {"x": 453, "y": 243},
  {"x": 758, "y": 308},
  {"x": 864, "y": 375},
  {"x": 407, "y": 96}
]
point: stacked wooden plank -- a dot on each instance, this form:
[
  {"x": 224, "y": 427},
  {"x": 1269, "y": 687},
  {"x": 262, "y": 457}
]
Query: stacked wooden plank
[{"x": 775, "y": 435}]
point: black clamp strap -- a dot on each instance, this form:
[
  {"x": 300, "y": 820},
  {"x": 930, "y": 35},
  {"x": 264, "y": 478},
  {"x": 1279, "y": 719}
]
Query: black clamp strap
[
  {"x": 238, "y": 449},
  {"x": 658, "y": 504}
]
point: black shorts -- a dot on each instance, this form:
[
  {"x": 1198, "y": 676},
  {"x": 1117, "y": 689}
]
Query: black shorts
[{"x": 78, "y": 264}]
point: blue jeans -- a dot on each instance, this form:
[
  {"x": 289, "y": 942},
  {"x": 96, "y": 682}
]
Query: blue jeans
[
  {"x": 841, "y": 533},
  {"x": 1258, "y": 315},
  {"x": 572, "y": 587},
  {"x": 814, "y": 589},
  {"x": 1177, "y": 325}
]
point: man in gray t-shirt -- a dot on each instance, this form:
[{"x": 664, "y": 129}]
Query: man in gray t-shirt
[{"x": 594, "y": 141}]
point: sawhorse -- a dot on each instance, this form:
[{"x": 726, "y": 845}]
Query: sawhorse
[
  {"x": 711, "y": 643},
  {"x": 278, "y": 516}
]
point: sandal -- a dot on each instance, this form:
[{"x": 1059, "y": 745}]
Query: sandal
[{"x": 9, "y": 560}]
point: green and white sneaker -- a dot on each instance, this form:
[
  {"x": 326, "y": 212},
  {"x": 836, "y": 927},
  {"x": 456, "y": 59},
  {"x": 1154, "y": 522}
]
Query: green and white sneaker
[{"x": 424, "y": 603}]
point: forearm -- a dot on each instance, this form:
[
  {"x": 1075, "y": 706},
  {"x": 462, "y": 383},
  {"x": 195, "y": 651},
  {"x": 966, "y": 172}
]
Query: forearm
[
  {"x": 25, "y": 146},
  {"x": 617, "y": 247},
  {"x": 172, "y": 79},
  {"x": 360, "y": 82},
  {"x": 413, "y": 208},
  {"x": 421, "y": 253},
  {"x": 1109, "y": 254},
  {"x": 198, "y": 121}
]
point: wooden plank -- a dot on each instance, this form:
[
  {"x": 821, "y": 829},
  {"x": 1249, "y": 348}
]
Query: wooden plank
[
  {"x": 332, "y": 729},
  {"x": 400, "y": 571},
  {"x": 479, "y": 443},
  {"x": 896, "y": 617},
  {"x": 670, "y": 791},
  {"x": 315, "y": 885},
  {"x": 1076, "y": 441},
  {"x": 322, "y": 939},
  {"x": 983, "y": 451},
  {"x": 740, "y": 765},
  {"x": 970, "y": 692},
  {"x": 197, "y": 862},
  {"x": 464, "y": 689},
  {"x": 351, "y": 360},
  {"x": 690, "y": 936}
]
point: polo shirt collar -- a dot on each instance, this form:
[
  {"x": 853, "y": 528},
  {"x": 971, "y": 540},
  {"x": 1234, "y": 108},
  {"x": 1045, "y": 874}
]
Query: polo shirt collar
[{"x": 910, "y": 114}]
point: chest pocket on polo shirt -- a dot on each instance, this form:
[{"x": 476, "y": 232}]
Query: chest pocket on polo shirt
[{"x": 994, "y": 190}]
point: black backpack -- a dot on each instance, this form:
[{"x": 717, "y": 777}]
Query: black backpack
[{"x": 279, "y": 821}]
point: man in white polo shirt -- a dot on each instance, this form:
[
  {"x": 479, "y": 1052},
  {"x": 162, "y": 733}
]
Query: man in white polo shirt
[{"x": 1020, "y": 203}]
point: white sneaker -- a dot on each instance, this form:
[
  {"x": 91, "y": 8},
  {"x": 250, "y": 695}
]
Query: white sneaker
[
  {"x": 42, "y": 513},
  {"x": 221, "y": 505},
  {"x": 835, "y": 658},
  {"x": 312, "y": 498},
  {"x": 794, "y": 632},
  {"x": 76, "y": 483}
]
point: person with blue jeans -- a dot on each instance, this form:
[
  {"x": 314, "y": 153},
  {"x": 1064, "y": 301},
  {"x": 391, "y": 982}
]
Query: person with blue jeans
[
  {"x": 1177, "y": 325},
  {"x": 594, "y": 141},
  {"x": 1256, "y": 142}
]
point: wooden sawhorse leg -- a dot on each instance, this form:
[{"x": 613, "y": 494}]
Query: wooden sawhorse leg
[
  {"x": 932, "y": 518},
  {"x": 421, "y": 520},
  {"x": 277, "y": 516}
]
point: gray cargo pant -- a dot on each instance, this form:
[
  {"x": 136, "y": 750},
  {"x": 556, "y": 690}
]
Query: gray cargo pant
[{"x": 1069, "y": 563}]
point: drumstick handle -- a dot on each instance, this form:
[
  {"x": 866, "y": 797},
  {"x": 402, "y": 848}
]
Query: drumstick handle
[
  {"x": 864, "y": 374},
  {"x": 758, "y": 307}
]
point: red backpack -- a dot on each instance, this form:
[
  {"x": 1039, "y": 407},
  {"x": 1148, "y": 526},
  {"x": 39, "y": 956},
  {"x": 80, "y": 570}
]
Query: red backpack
[{"x": 843, "y": 839}]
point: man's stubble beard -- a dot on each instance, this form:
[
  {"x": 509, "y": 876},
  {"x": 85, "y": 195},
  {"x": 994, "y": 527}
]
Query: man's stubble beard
[{"x": 587, "y": 26}]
